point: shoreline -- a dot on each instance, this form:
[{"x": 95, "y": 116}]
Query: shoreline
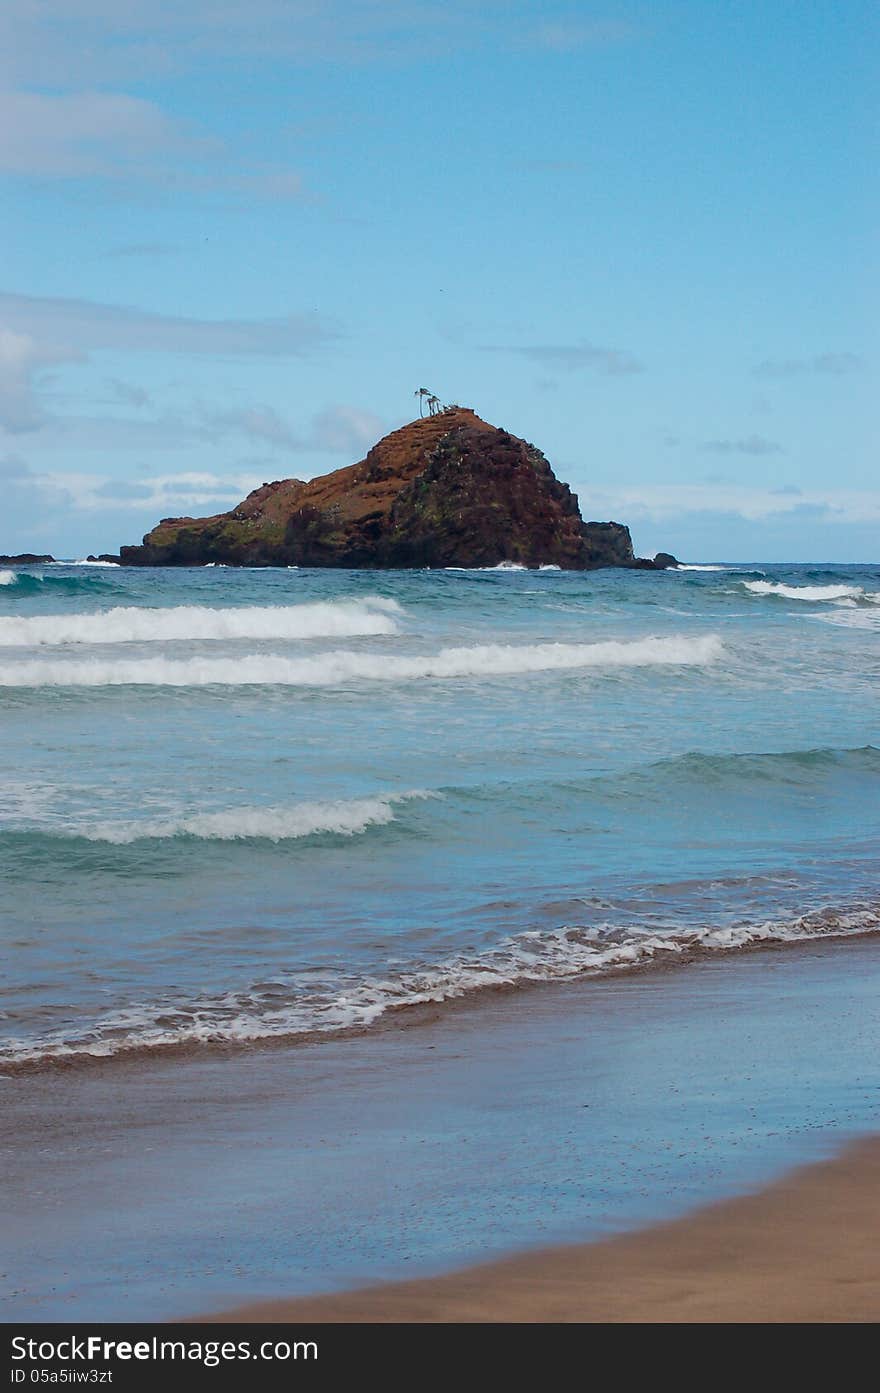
[
  {"x": 805, "y": 1249},
  {"x": 408, "y": 1015},
  {"x": 157, "y": 1190}
]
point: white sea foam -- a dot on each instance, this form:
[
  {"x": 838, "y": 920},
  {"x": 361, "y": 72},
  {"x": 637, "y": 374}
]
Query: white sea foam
[
  {"x": 7, "y": 577},
  {"x": 851, "y": 618},
  {"x": 341, "y": 667},
  {"x": 502, "y": 566},
  {"x": 344, "y": 817},
  {"x": 682, "y": 567},
  {"x": 86, "y": 562},
  {"x": 289, "y": 1006},
  {"x": 812, "y": 593},
  {"x": 372, "y": 615}
]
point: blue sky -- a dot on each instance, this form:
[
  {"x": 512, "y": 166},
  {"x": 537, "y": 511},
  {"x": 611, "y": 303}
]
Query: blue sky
[{"x": 237, "y": 236}]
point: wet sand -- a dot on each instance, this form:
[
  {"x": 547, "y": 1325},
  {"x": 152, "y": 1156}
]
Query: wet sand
[
  {"x": 566, "y": 1115},
  {"x": 806, "y": 1249}
]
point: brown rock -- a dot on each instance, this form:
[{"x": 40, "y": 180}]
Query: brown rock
[{"x": 449, "y": 490}]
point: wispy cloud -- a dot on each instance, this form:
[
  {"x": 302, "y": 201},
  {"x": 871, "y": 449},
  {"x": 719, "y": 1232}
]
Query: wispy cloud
[
  {"x": 835, "y": 364},
  {"x": 23, "y": 364},
  {"x": 78, "y": 133},
  {"x": 339, "y": 429},
  {"x": 574, "y": 357},
  {"x": 87, "y": 326},
  {"x": 140, "y": 423},
  {"x": 746, "y": 445},
  {"x": 129, "y": 141},
  {"x": 257, "y": 423},
  {"x": 146, "y": 251},
  {"x": 158, "y": 495},
  {"x": 664, "y": 502},
  {"x": 75, "y": 42},
  {"x": 13, "y": 467},
  {"x": 348, "y": 430},
  {"x": 127, "y": 393},
  {"x": 40, "y": 333},
  {"x": 67, "y": 69},
  {"x": 566, "y": 35}
]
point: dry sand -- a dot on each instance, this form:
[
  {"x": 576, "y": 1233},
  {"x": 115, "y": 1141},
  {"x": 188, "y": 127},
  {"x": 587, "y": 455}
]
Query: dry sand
[{"x": 806, "y": 1249}]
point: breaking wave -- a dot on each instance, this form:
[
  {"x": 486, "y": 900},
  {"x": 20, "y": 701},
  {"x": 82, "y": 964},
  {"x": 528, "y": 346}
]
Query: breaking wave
[
  {"x": 327, "y": 619},
  {"x": 812, "y": 593},
  {"x": 502, "y": 566},
  {"x": 290, "y": 1007},
  {"x": 8, "y": 578},
  {"x": 852, "y": 618},
  {"x": 339, "y": 667},
  {"x": 34, "y": 826},
  {"x": 339, "y": 817}
]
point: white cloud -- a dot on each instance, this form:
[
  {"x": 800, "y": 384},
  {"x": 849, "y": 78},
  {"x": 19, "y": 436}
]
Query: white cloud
[
  {"x": 111, "y": 135},
  {"x": 23, "y": 361},
  {"x": 37, "y": 333},
  {"x": 178, "y": 493},
  {"x": 84, "y": 133},
  {"x": 158, "y": 495}
]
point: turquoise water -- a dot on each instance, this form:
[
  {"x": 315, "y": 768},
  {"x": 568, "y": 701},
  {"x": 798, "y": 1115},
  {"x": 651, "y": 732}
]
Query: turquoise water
[{"x": 241, "y": 804}]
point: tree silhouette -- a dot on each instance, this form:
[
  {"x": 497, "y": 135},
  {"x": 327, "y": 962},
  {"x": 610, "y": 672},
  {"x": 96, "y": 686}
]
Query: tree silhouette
[{"x": 434, "y": 404}]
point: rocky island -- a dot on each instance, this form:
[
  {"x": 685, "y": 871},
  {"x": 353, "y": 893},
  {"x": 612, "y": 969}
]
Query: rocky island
[
  {"x": 26, "y": 558},
  {"x": 446, "y": 490}
]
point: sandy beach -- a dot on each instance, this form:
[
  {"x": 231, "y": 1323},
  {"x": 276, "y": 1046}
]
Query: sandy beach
[
  {"x": 805, "y": 1249},
  {"x": 436, "y": 1170}
]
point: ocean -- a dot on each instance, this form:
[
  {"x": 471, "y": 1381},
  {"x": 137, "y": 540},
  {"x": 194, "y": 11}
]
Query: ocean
[{"x": 249, "y": 806}]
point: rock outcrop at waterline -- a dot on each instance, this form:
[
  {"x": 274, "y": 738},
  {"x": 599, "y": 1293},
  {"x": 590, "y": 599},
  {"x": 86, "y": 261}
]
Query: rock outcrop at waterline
[
  {"x": 26, "y": 558},
  {"x": 449, "y": 490}
]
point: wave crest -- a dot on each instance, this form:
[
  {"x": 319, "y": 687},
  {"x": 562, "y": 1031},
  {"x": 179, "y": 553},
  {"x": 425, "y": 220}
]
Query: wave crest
[
  {"x": 371, "y": 616},
  {"x": 340, "y": 817},
  {"x": 337, "y": 668},
  {"x": 812, "y": 593}
]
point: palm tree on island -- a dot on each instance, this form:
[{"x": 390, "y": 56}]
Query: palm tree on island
[{"x": 435, "y": 405}]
